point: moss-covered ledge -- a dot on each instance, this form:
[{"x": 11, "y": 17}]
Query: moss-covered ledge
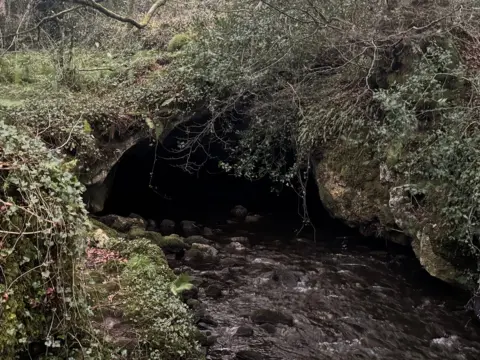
[{"x": 135, "y": 311}]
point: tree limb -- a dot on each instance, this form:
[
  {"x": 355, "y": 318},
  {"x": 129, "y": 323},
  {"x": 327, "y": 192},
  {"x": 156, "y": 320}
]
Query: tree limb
[
  {"x": 103, "y": 10},
  {"x": 46, "y": 19}
]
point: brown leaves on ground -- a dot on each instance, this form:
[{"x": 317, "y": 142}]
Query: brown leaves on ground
[{"x": 96, "y": 257}]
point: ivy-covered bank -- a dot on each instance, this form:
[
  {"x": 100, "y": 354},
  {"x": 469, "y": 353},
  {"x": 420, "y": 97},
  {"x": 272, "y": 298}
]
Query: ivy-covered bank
[{"x": 70, "y": 289}]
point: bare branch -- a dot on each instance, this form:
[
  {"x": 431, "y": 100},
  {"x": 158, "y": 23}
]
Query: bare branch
[
  {"x": 46, "y": 19},
  {"x": 103, "y": 10}
]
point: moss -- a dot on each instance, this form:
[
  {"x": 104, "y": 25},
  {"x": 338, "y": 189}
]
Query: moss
[
  {"x": 178, "y": 42},
  {"x": 167, "y": 329},
  {"x": 171, "y": 243},
  {"x": 95, "y": 224},
  {"x": 149, "y": 313}
]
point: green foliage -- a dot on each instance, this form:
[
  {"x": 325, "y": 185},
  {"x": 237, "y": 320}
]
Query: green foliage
[
  {"x": 429, "y": 115},
  {"x": 181, "y": 283},
  {"x": 167, "y": 330},
  {"x": 43, "y": 224}
]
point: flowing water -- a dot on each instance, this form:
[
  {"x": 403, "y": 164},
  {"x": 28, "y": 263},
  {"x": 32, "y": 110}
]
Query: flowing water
[{"x": 288, "y": 298}]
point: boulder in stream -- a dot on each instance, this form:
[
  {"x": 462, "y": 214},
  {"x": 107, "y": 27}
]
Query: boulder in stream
[
  {"x": 189, "y": 228},
  {"x": 267, "y": 316},
  {"x": 197, "y": 239},
  {"x": 201, "y": 255},
  {"x": 285, "y": 277},
  {"x": 207, "y": 232},
  {"x": 244, "y": 331},
  {"x": 214, "y": 291},
  {"x": 239, "y": 212},
  {"x": 167, "y": 227},
  {"x": 235, "y": 248}
]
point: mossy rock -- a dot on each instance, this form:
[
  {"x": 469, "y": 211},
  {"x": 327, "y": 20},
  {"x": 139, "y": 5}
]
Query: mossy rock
[
  {"x": 178, "y": 42},
  {"x": 171, "y": 243}
]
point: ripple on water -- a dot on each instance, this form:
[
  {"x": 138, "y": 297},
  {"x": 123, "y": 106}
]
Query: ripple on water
[{"x": 345, "y": 306}]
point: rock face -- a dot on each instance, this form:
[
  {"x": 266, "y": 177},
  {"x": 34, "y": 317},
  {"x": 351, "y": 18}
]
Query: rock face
[{"x": 360, "y": 191}]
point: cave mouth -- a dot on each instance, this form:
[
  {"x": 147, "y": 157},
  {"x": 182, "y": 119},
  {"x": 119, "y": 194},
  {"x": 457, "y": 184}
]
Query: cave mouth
[{"x": 150, "y": 180}]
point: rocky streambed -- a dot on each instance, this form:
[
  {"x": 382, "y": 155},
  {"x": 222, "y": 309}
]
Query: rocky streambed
[
  {"x": 261, "y": 292},
  {"x": 266, "y": 295}
]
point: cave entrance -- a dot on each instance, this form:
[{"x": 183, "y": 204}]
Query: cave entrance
[{"x": 150, "y": 180}]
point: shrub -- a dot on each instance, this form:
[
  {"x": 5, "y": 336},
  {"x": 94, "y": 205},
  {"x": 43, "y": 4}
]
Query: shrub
[{"x": 178, "y": 42}]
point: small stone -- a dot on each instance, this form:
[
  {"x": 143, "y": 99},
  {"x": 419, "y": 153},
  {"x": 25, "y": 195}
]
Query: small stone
[
  {"x": 213, "y": 291},
  {"x": 249, "y": 355},
  {"x": 235, "y": 248},
  {"x": 240, "y": 239},
  {"x": 269, "y": 328},
  {"x": 244, "y": 331},
  {"x": 263, "y": 316}
]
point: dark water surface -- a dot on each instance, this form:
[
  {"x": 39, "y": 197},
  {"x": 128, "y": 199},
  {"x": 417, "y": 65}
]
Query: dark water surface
[{"x": 347, "y": 302}]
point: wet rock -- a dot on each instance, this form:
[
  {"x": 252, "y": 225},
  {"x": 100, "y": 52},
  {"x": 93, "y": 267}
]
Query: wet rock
[
  {"x": 201, "y": 255},
  {"x": 285, "y": 277},
  {"x": 269, "y": 328},
  {"x": 122, "y": 224},
  {"x": 235, "y": 248},
  {"x": 239, "y": 212},
  {"x": 152, "y": 225},
  {"x": 213, "y": 291},
  {"x": 253, "y": 219},
  {"x": 244, "y": 331},
  {"x": 206, "y": 249},
  {"x": 240, "y": 239},
  {"x": 450, "y": 343},
  {"x": 196, "y": 239},
  {"x": 205, "y": 321},
  {"x": 249, "y": 355},
  {"x": 167, "y": 227},
  {"x": 207, "y": 232},
  {"x": 268, "y": 316},
  {"x": 190, "y": 294},
  {"x": 193, "y": 304},
  {"x": 189, "y": 228}
]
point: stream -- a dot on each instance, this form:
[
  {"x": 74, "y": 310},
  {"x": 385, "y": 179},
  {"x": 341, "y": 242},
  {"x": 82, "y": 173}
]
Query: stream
[{"x": 267, "y": 294}]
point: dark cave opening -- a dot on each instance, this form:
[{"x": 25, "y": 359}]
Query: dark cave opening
[{"x": 149, "y": 181}]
